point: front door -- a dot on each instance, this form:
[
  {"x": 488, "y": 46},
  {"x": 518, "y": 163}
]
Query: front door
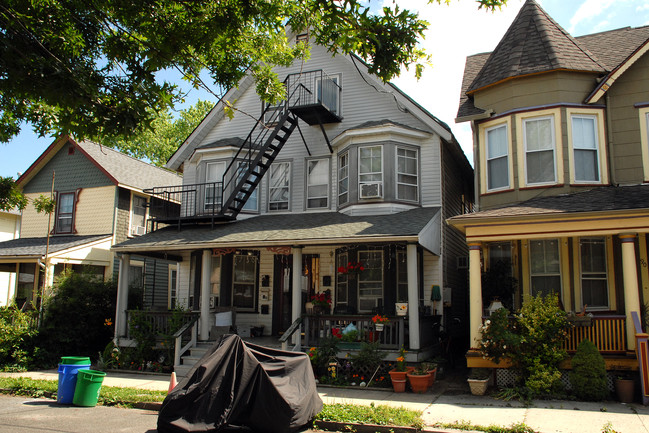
[{"x": 282, "y": 293}]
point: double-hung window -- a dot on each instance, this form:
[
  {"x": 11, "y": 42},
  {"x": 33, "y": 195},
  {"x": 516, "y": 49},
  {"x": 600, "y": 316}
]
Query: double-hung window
[
  {"x": 343, "y": 178},
  {"x": 585, "y": 148},
  {"x": 138, "y": 215},
  {"x": 545, "y": 267},
  {"x": 370, "y": 280},
  {"x": 497, "y": 158},
  {"x": 540, "y": 164},
  {"x": 407, "y": 174},
  {"x": 251, "y": 204},
  {"x": 213, "y": 184},
  {"x": 279, "y": 189},
  {"x": 317, "y": 184},
  {"x": 370, "y": 171},
  {"x": 594, "y": 279},
  {"x": 65, "y": 212}
]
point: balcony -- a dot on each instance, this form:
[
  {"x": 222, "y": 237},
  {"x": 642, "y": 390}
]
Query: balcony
[
  {"x": 314, "y": 97},
  {"x": 200, "y": 202}
]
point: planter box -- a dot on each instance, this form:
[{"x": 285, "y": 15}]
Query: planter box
[
  {"x": 478, "y": 386},
  {"x": 349, "y": 345}
]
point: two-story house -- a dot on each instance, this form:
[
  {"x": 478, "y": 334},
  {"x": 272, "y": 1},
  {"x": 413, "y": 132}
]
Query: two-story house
[
  {"x": 347, "y": 172},
  {"x": 100, "y": 201},
  {"x": 561, "y": 161}
]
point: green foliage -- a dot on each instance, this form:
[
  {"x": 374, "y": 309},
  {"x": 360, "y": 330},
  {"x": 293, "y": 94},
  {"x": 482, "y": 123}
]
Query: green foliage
[
  {"x": 480, "y": 373},
  {"x": 141, "y": 330},
  {"x": 77, "y": 319},
  {"x": 166, "y": 134},
  {"x": 326, "y": 351},
  {"x": 17, "y": 332},
  {"x": 44, "y": 204},
  {"x": 92, "y": 68},
  {"x": 378, "y": 415},
  {"x": 588, "y": 376},
  {"x": 10, "y": 196},
  {"x": 465, "y": 425},
  {"x": 369, "y": 356},
  {"x": 532, "y": 340}
]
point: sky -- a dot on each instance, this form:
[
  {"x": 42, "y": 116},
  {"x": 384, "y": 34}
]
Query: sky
[{"x": 456, "y": 31}]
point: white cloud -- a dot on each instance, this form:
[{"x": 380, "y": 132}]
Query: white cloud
[
  {"x": 589, "y": 10},
  {"x": 455, "y": 32}
]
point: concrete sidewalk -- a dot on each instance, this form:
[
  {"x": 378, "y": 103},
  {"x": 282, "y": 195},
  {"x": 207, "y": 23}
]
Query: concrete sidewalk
[{"x": 447, "y": 402}]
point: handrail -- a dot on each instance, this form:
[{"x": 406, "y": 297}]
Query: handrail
[
  {"x": 289, "y": 333},
  {"x": 178, "y": 337}
]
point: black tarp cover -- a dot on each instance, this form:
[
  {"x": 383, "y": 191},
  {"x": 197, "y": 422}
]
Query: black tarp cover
[{"x": 239, "y": 384}]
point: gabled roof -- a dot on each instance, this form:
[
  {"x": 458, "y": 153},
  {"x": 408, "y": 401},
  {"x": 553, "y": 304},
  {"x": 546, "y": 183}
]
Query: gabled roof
[
  {"x": 35, "y": 247},
  {"x": 121, "y": 169},
  {"x": 534, "y": 43}
]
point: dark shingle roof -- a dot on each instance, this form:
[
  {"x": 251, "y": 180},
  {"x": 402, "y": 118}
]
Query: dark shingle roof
[
  {"x": 36, "y": 246},
  {"x": 288, "y": 228},
  {"x": 534, "y": 43},
  {"x": 224, "y": 142},
  {"x": 606, "y": 198},
  {"x": 472, "y": 67},
  {"x": 614, "y": 46},
  {"x": 127, "y": 170}
]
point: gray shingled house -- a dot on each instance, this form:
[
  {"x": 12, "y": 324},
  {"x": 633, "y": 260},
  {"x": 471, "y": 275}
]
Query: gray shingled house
[
  {"x": 100, "y": 201},
  {"x": 283, "y": 211},
  {"x": 561, "y": 154}
]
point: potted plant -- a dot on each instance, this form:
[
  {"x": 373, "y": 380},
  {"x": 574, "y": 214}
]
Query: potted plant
[
  {"x": 419, "y": 379},
  {"x": 479, "y": 380},
  {"x": 321, "y": 302},
  {"x": 379, "y": 322},
  {"x": 431, "y": 368},
  {"x": 398, "y": 374},
  {"x": 624, "y": 388}
]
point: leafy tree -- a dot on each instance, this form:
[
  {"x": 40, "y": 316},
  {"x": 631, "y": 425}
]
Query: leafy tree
[
  {"x": 165, "y": 136},
  {"x": 90, "y": 69},
  {"x": 10, "y": 195}
]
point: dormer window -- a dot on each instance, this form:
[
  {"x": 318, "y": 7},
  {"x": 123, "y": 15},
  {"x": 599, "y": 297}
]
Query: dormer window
[{"x": 370, "y": 172}]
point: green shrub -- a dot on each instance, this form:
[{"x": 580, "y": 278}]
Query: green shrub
[
  {"x": 77, "y": 319},
  {"x": 588, "y": 376},
  {"x": 17, "y": 331},
  {"x": 369, "y": 357}
]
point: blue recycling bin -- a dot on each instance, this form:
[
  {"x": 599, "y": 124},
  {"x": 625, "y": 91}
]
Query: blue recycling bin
[{"x": 68, "y": 369}]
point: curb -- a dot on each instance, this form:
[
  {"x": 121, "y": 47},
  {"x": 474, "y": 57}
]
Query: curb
[
  {"x": 155, "y": 406},
  {"x": 334, "y": 426}
]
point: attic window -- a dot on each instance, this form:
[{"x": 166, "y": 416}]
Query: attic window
[
  {"x": 304, "y": 37},
  {"x": 71, "y": 149}
]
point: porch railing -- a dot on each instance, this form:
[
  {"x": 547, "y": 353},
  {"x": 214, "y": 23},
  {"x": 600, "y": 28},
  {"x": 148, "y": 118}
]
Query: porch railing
[
  {"x": 608, "y": 333},
  {"x": 317, "y": 327},
  {"x": 159, "y": 321},
  {"x": 195, "y": 200}
]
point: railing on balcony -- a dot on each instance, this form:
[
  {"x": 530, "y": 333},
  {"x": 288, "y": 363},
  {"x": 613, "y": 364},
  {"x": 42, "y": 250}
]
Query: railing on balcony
[
  {"x": 316, "y": 327},
  {"x": 199, "y": 200},
  {"x": 314, "y": 96},
  {"x": 159, "y": 321},
  {"x": 608, "y": 333}
]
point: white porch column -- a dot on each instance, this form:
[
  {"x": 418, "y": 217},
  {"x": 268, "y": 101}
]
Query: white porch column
[
  {"x": 49, "y": 276},
  {"x": 122, "y": 295},
  {"x": 296, "y": 301},
  {"x": 413, "y": 297},
  {"x": 631, "y": 295},
  {"x": 475, "y": 294},
  {"x": 206, "y": 270}
]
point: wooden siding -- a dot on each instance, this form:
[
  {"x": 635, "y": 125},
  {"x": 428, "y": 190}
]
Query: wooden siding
[
  {"x": 34, "y": 224},
  {"x": 631, "y": 88},
  {"x": 122, "y": 215},
  {"x": 95, "y": 211},
  {"x": 72, "y": 171}
]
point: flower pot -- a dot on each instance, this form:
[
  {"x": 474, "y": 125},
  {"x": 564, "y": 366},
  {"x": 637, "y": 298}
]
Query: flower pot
[
  {"x": 625, "y": 389},
  {"x": 419, "y": 382},
  {"x": 399, "y": 385},
  {"x": 378, "y": 327},
  {"x": 399, "y": 375},
  {"x": 431, "y": 380},
  {"x": 478, "y": 386}
]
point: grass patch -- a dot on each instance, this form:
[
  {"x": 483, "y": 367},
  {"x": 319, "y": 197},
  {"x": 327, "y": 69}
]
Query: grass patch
[
  {"x": 466, "y": 425},
  {"x": 379, "y": 415},
  {"x": 109, "y": 395}
]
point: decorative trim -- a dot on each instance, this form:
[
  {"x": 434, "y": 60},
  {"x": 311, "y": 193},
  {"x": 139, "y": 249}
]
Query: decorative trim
[
  {"x": 279, "y": 250},
  {"x": 222, "y": 251}
]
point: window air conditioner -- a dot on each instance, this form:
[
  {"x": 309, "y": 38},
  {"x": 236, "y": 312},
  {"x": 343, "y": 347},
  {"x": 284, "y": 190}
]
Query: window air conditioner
[
  {"x": 371, "y": 190},
  {"x": 138, "y": 230}
]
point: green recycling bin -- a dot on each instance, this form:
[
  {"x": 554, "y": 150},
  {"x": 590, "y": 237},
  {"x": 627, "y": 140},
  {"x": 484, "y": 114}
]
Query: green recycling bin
[{"x": 88, "y": 387}]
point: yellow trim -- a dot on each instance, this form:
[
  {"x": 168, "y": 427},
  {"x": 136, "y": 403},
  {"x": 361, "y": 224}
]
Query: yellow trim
[
  {"x": 564, "y": 255},
  {"x": 598, "y": 114},
  {"x": 610, "y": 274},
  {"x": 482, "y": 136},
  {"x": 643, "y": 117},
  {"x": 555, "y": 113},
  {"x": 644, "y": 271}
]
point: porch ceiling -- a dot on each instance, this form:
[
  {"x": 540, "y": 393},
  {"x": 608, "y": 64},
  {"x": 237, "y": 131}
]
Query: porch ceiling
[
  {"x": 292, "y": 229},
  {"x": 600, "y": 211}
]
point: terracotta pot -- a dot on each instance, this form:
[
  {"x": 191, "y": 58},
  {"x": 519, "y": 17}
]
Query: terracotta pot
[
  {"x": 431, "y": 380},
  {"x": 399, "y": 385},
  {"x": 399, "y": 375},
  {"x": 419, "y": 382},
  {"x": 625, "y": 389}
]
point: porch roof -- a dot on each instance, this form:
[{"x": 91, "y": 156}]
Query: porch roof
[
  {"x": 416, "y": 225},
  {"x": 603, "y": 210},
  {"x": 25, "y": 248}
]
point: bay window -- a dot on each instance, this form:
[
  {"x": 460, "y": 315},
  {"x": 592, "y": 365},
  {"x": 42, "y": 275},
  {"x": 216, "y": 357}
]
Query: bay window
[
  {"x": 370, "y": 171},
  {"x": 317, "y": 183},
  {"x": 585, "y": 148},
  {"x": 407, "y": 174},
  {"x": 497, "y": 158},
  {"x": 279, "y": 188},
  {"x": 540, "y": 165}
]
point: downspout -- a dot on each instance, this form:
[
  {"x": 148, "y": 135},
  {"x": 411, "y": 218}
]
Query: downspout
[
  {"x": 609, "y": 138},
  {"x": 476, "y": 169}
]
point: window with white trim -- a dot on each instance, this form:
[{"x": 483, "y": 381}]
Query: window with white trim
[
  {"x": 343, "y": 178},
  {"x": 540, "y": 161},
  {"x": 594, "y": 276},
  {"x": 139, "y": 206},
  {"x": 407, "y": 174},
  {"x": 279, "y": 186},
  {"x": 317, "y": 184},
  {"x": 244, "y": 277},
  {"x": 585, "y": 148},
  {"x": 213, "y": 184},
  {"x": 497, "y": 158},
  {"x": 251, "y": 204},
  {"x": 370, "y": 280},
  {"x": 545, "y": 267},
  {"x": 370, "y": 171},
  {"x": 65, "y": 212}
]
